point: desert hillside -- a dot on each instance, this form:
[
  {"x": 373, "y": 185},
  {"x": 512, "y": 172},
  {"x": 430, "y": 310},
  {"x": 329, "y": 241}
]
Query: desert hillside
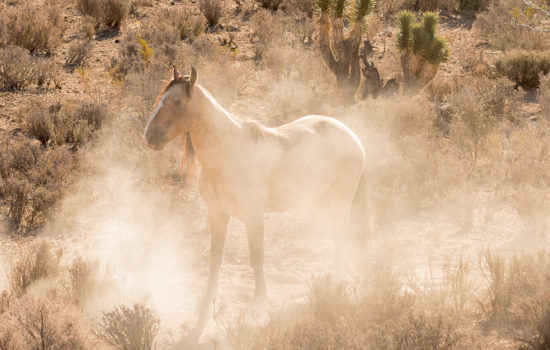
[{"x": 105, "y": 242}]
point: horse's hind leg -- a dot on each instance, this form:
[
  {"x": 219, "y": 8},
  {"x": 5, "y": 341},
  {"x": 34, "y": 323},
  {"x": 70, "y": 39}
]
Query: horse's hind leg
[{"x": 255, "y": 233}]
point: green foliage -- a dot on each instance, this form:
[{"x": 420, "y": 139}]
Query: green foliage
[
  {"x": 145, "y": 51},
  {"x": 362, "y": 8},
  {"x": 338, "y": 6},
  {"x": 405, "y": 23},
  {"x": 524, "y": 67},
  {"x": 323, "y": 5},
  {"x": 421, "y": 37}
]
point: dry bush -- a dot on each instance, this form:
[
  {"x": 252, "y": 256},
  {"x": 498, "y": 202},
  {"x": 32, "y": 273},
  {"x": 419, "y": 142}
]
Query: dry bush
[
  {"x": 212, "y": 11},
  {"x": 184, "y": 23},
  {"x": 267, "y": 33},
  {"x": 66, "y": 123},
  {"x": 82, "y": 278},
  {"x": 31, "y": 181},
  {"x": 535, "y": 321},
  {"x": 36, "y": 29},
  {"x": 510, "y": 280},
  {"x": 36, "y": 261},
  {"x": 129, "y": 328},
  {"x": 47, "y": 72},
  {"x": 48, "y": 323},
  {"x": 87, "y": 28},
  {"x": 524, "y": 67},
  {"x": 16, "y": 68},
  {"x": 503, "y": 32},
  {"x": 270, "y": 4},
  {"x": 107, "y": 13},
  {"x": 79, "y": 53}
]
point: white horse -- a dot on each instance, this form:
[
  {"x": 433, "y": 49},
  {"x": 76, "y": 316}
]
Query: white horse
[{"x": 248, "y": 169}]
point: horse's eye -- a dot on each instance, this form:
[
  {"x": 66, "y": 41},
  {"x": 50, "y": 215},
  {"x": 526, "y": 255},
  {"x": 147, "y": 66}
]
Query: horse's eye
[{"x": 177, "y": 103}]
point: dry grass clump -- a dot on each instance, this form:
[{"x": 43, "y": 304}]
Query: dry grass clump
[
  {"x": 36, "y": 261},
  {"x": 42, "y": 323},
  {"x": 524, "y": 67},
  {"x": 502, "y": 30},
  {"x": 129, "y": 328},
  {"x": 212, "y": 11},
  {"x": 79, "y": 53},
  {"x": 66, "y": 123},
  {"x": 16, "y": 68},
  {"x": 511, "y": 280},
  {"x": 31, "y": 182},
  {"x": 267, "y": 33},
  {"x": 36, "y": 29},
  {"x": 82, "y": 279},
  {"x": 107, "y": 13},
  {"x": 535, "y": 321}
]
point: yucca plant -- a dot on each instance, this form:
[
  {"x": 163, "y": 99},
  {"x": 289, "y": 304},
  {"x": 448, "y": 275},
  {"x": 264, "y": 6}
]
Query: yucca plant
[
  {"x": 422, "y": 50},
  {"x": 341, "y": 52}
]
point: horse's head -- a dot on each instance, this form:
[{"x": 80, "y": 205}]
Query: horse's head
[{"x": 174, "y": 114}]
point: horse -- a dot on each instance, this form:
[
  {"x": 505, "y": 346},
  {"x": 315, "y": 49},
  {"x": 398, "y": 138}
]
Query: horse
[{"x": 248, "y": 169}]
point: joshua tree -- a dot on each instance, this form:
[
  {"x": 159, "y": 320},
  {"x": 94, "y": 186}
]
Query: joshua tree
[
  {"x": 341, "y": 52},
  {"x": 422, "y": 50}
]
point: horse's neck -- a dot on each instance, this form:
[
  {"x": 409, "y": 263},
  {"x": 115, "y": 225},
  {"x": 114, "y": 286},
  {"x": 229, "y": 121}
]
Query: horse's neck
[{"x": 215, "y": 129}]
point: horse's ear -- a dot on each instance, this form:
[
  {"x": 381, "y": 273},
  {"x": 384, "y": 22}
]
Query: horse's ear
[
  {"x": 193, "y": 77},
  {"x": 175, "y": 73}
]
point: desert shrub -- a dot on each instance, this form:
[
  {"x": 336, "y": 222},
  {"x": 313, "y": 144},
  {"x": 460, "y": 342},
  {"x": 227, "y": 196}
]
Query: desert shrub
[
  {"x": 183, "y": 22},
  {"x": 212, "y": 11},
  {"x": 422, "y": 50},
  {"x": 79, "y": 53},
  {"x": 107, "y": 13},
  {"x": 46, "y": 73},
  {"x": 129, "y": 328},
  {"x": 36, "y": 29},
  {"x": 511, "y": 279},
  {"x": 535, "y": 320},
  {"x": 16, "y": 190},
  {"x": 87, "y": 28},
  {"x": 503, "y": 31},
  {"x": 267, "y": 33},
  {"x": 472, "y": 6},
  {"x": 36, "y": 261},
  {"x": 16, "y": 68},
  {"x": 270, "y": 4},
  {"x": 82, "y": 278},
  {"x": 524, "y": 67},
  {"x": 48, "y": 323}
]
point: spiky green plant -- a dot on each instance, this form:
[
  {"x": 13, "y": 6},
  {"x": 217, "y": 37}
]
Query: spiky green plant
[
  {"x": 420, "y": 37},
  {"x": 362, "y": 9},
  {"x": 323, "y": 6}
]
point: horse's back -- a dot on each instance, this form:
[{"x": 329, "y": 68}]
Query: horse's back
[{"x": 318, "y": 151}]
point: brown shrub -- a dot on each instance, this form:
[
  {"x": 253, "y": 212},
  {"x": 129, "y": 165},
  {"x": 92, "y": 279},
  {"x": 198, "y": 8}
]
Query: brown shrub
[
  {"x": 44, "y": 323},
  {"x": 270, "y": 4},
  {"x": 306, "y": 7},
  {"x": 87, "y": 28},
  {"x": 524, "y": 67},
  {"x": 501, "y": 30},
  {"x": 107, "y": 13},
  {"x": 79, "y": 53},
  {"x": 36, "y": 29},
  {"x": 36, "y": 261},
  {"x": 82, "y": 276},
  {"x": 16, "y": 68},
  {"x": 47, "y": 72},
  {"x": 212, "y": 11},
  {"x": 129, "y": 328}
]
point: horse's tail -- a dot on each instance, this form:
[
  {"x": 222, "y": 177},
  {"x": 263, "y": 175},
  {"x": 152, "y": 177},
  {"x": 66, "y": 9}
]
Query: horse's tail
[
  {"x": 188, "y": 167},
  {"x": 359, "y": 214}
]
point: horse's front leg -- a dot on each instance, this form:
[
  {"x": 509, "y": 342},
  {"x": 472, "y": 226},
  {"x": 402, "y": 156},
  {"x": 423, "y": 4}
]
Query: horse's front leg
[
  {"x": 255, "y": 233},
  {"x": 218, "y": 229}
]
